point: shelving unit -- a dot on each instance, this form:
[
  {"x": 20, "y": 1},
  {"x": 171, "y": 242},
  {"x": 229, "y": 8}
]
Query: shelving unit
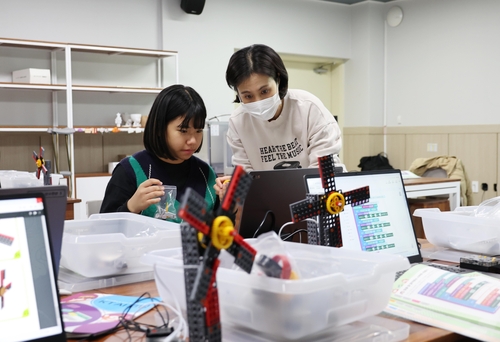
[{"x": 77, "y": 69}]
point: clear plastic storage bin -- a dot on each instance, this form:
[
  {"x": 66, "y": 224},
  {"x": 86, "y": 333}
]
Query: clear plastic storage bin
[
  {"x": 336, "y": 287},
  {"x": 109, "y": 244},
  {"x": 461, "y": 230}
]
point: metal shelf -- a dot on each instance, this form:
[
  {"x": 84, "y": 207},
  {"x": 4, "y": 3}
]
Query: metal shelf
[{"x": 70, "y": 88}]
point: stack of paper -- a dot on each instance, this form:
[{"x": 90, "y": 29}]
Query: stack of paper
[{"x": 468, "y": 304}]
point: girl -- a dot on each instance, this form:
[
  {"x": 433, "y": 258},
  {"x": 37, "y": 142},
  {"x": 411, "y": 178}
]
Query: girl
[{"x": 173, "y": 133}]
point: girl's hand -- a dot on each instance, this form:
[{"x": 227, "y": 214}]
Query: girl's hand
[
  {"x": 149, "y": 192},
  {"x": 220, "y": 186}
]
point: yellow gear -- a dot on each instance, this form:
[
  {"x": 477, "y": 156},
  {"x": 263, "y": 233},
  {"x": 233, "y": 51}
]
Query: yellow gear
[
  {"x": 335, "y": 203},
  {"x": 222, "y": 228},
  {"x": 39, "y": 163}
]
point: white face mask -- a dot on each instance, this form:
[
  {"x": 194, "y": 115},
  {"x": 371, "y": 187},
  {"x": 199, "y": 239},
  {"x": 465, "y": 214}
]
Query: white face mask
[{"x": 263, "y": 109}]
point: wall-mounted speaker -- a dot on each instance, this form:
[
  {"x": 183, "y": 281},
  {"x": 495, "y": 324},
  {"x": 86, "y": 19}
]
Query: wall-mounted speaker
[{"x": 193, "y": 6}]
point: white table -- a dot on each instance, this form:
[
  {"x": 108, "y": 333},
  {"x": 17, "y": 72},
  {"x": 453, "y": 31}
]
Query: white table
[{"x": 428, "y": 186}]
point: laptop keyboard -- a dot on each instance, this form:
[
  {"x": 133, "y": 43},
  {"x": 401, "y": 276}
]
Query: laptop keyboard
[{"x": 449, "y": 268}]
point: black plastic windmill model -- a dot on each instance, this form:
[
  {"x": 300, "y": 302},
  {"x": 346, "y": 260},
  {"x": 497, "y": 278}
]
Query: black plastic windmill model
[
  {"x": 327, "y": 207},
  {"x": 42, "y": 166},
  {"x": 3, "y": 288},
  {"x": 204, "y": 234}
]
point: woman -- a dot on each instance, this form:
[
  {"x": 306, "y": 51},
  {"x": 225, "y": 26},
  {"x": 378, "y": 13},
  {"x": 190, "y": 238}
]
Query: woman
[
  {"x": 273, "y": 124},
  {"x": 173, "y": 133}
]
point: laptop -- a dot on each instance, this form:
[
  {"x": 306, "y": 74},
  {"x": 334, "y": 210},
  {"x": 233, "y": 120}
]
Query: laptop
[
  {"x": 267, "y": 205},
  {"x": 29, "y": 304},
  {"x": 56, "y": 197},
  {"x": 387, "y": 209},
  {"x": 383, "y": 224}
]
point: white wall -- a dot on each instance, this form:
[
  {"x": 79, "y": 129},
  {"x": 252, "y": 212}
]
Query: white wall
[
  {"x": 128, "y": 23},
  {"x": 364, "y": 83},
  {"x": 443, "y": 63},
  {"x": 205, "y": 42}
]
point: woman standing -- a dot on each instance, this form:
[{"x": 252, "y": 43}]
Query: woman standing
[{"x": 274, "y": 124}]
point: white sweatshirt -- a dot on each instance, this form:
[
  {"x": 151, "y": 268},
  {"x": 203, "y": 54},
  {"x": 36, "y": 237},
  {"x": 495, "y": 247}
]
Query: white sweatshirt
[{"x": 304, "y": 131}]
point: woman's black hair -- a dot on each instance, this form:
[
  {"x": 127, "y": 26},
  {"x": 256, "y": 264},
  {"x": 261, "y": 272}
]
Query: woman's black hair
[
  {"x": 172, "y": 102},
  {"x": 256, "y": 59}
]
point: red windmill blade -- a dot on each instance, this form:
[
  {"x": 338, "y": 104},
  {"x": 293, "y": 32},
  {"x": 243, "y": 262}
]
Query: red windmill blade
[
  {"x": 219, "y": 228},
  {"x": 3, "y": 289},
  {"x": 40, "y": 162},
  {"x": 204, "y": 235},
  {"x": 327, "y": 207}
]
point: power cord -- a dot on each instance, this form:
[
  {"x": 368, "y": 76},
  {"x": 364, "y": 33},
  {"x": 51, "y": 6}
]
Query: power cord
[
  {"x": 291, "y": 222},
  {"x": 269, "y": 212},
  {"x": 182, "y": 326},
  {"x": 295, "y": 232}
]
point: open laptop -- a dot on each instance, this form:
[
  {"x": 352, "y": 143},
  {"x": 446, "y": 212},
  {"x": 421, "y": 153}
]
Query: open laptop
[
  {"x": 29, "y": 307},
  {"x": 383, "y": 224},
  {"x": 266, "y": 206},
  {"x": 56, "y": 197}
]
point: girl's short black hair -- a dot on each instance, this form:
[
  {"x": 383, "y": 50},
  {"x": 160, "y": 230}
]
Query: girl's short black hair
[
  {"x": 256, "y": 59},
  {"x": 172, "y": 102}
]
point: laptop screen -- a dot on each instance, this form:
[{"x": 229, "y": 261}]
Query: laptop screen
[
  {"x": 29, "y": 307},
  {"x": 383, "y": 224},
  {"x": 55, "y": 197},
  {"x": 267, "y": 205}
]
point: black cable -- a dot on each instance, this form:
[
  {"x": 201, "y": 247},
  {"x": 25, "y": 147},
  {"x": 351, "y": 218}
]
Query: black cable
[
  {"x": 295, "y": 232},
  {"x": 130, "y": 325},
  {"x": 269, "y": 212},
  {"x": 133, "y": 324}
]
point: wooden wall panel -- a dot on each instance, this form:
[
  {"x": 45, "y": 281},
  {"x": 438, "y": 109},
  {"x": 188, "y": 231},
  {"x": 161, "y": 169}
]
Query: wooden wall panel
[
  {"x": 478, "y": 148},
  {"x": 93, "y": 152},
  {"x": 116, "y": 144},
  {"x": 478, "y": 153},
  {"x": 16, "y": 150},
  {"x": 417, "y": 144},
  {"x": 88, "y": 153},
  {"x": 357, "y": 146},
  {"x": 396, "y": 151}
]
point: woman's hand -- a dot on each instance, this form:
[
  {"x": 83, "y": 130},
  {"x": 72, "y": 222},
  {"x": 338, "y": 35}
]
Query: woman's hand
[
  {"x": 149, "y": 192},
  {"x": 220, "y": 186}
]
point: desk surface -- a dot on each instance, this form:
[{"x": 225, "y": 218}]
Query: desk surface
[
  {"x": 418, "y": 332},
  {"x": 427, "y": 180}
]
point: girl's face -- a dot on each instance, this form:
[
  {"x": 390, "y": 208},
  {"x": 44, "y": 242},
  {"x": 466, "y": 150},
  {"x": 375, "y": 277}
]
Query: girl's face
[
  {"x": 183, "y": 142},
  {"x": 257, "y": 87}
]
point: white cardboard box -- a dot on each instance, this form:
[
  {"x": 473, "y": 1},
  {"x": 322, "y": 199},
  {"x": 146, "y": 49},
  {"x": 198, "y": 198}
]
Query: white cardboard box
[{"x": 37, "y": 76}]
